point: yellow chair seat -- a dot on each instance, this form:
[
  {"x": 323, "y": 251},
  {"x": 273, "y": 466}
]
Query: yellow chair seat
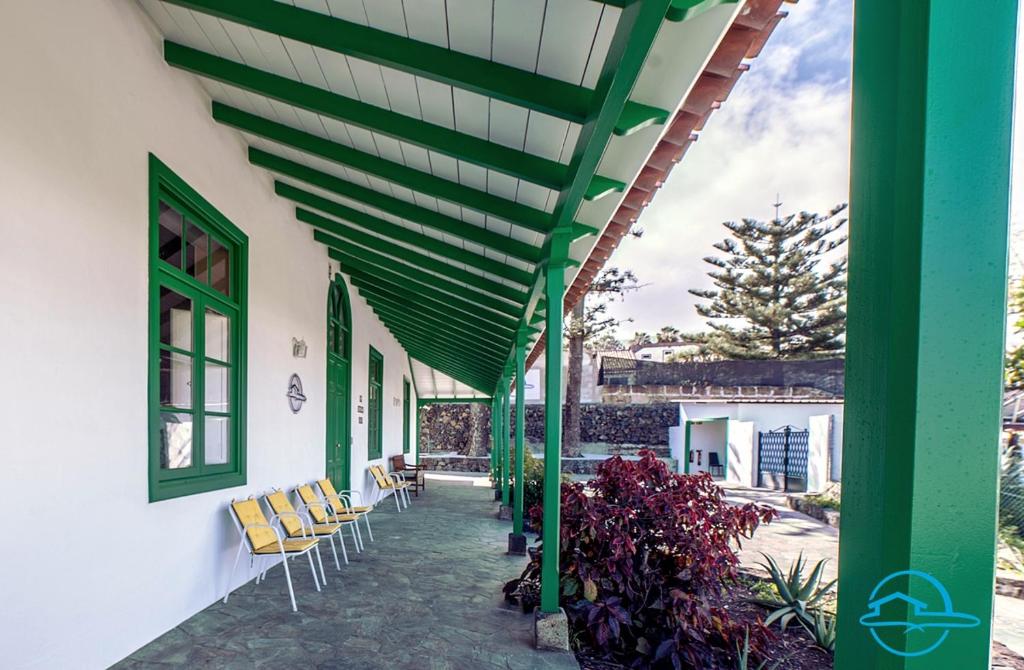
[
  {"x": 358, "y": 509},
  {"x": 290, "y": 547},
  {"x": 318, "y": 529}
]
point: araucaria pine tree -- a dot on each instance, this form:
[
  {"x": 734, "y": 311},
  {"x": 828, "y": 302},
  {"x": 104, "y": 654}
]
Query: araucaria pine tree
[{"x": 771, "y": 282}]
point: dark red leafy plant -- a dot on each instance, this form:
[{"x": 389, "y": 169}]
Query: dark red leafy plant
[{"x": 645, "y": 556}]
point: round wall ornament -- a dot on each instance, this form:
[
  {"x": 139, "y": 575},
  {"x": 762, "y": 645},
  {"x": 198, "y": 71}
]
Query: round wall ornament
[{"x": 295, "y": 395}]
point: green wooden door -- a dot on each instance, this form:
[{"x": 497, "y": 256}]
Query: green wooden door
[{"x": 339, "y": 382}]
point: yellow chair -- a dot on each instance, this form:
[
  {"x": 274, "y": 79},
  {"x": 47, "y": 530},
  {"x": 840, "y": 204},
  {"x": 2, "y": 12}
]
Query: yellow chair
[
  {"x": 341, "y": 502},
  {"x": 264, "y": 541},
  {"x": 391, "y": 481},
  {"x": 296, "y": 526},
  {"x": 321, "y": 511}
]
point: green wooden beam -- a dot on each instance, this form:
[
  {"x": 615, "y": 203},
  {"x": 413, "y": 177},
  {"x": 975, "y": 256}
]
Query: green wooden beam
[
  {"x": 414, "y": 213},
  {"x": 402, "y": 234},
  {"x": 430, "y": 290},
  {"x": 455, "y": 358},
  {"x": 480, "y": 75},
  {"x": 372, "y": 262},
  {"x": 453, "y": 353},
  {"x": 418, "y": 315},
  {"x": 416, "y": 180},
  {"x": 459, "y": 321},
  {"x": 470, "y": 148},
  {"x": 452, "y": 359},
  {"x": 929, "y": 206},
  {"x": 366, "y": 241}
]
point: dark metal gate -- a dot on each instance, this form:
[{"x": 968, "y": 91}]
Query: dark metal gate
[{"x": 782, "y": 458}]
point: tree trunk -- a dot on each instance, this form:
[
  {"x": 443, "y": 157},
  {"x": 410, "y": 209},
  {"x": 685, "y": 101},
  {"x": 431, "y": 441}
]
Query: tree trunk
[{"x": 571, "y": 415}]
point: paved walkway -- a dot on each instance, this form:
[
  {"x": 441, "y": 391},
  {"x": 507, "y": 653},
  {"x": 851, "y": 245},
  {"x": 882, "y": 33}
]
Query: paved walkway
[
  {"x": 426, "y": 594},
  {"x": 793, "y": 532}
]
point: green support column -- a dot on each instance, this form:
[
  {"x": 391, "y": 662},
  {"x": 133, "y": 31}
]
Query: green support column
[
  {"x": 932, "y": 104},
  {"x": 506, "y": 419},
  {"x": 517, "y": 541},
  {"x": 554, "y": 287},
  {"x": 495, "y": 475}
]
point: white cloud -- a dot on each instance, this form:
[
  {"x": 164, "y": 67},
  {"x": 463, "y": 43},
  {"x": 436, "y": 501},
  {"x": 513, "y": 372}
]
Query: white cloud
[{"x": 785, "y": 129}]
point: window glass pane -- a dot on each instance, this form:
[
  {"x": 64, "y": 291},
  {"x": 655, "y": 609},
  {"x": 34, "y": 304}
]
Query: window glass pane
[
  {"x": 175, "y": 379},
  {"x": 340, "y": 346},
  {"x": 170, "y": 235},
  {"x": 216, "y": 388},
  {"x": 220, "y": 271},
  {"x": 217, "y": 434},
  {"x": 175, "y": 441},
  {"x": 218, "y": 328},
  {"x": 175, "y": 319},
  {"x": 195, "y": 252}
]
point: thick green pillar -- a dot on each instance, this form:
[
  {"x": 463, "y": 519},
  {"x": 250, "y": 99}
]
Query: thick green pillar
[
  {"x": 495, "y": 461},
  {"x": 517, "y": 512},
  {"x": 506, "y": 420},
  {"x": 932, "y": 103},
  {"x": 554, "y": 287}
]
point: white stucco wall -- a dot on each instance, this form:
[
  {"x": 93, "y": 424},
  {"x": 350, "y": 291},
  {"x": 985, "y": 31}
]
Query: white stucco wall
[
  {"x": 769, "y": 416},
  {"x": 86, "y": 97},
  {"x": 742, "y": 468}
]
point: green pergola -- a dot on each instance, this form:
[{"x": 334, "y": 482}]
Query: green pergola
[{"x": 461, "y": 182}]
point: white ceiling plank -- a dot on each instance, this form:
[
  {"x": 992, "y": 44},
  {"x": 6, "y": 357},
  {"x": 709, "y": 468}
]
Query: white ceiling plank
[
  {"x": 471, "y": 113},
  {"x": 304, "y": 59},
  {"x": 532, "y": 195},
  {"x": 337, "y": 131},
  {"x": 473, "y": 176},
  {"x": 602, "y": 40},
  {"x": 507, "y": 124},
  {"x": 444, "y": 166},
  {"x": 189, "y": 32},
  {"x": 362, "y": 139},
  {"x": 157, "y": 11},
  {"x": 469, "y": 27},
  {"x": 386, "y": 15},
  {"x": 369, "y": 82},
  {"x": 214, "y": 31},
  {"x": 517, "y": 29},
  {"x": 276, "y": 55},
  {"x": 545, "y": 135},
  {"x": 350, "y": 10},
  {"x": 502, "y": 185},
  {"x": 389, "y": 148},
  {"x": 242, "y": 37},
  {"x": 336, "y": 70},
  {"x": 498, "y": 226},
  {"x": 416, "y": 157},
  {"x": 401, "y": 92},
  {"x": 436, "y": 103},
  {"x": 569, "y": 27},
  {"x": 426, "y": 21}
]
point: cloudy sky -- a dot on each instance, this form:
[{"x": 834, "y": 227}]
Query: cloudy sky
[{"x": 784, "y": 129}]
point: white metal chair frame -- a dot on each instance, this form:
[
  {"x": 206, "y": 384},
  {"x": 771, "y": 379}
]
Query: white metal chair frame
[
  {"x": 306, "y": 521},
  {"x": 332, "y": 515},
  {"x": 358, "y": 500},
  {"x": 245, "y": 543},
  {"x": 401, "y": 492}
]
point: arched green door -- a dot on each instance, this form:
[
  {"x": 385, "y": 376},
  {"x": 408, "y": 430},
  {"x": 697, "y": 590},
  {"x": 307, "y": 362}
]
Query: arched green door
[{"x": 339, "y": 350}]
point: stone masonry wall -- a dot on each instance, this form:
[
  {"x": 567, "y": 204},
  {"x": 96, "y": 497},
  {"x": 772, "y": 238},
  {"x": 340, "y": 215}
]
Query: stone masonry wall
[{"x": 465, "y": 429}]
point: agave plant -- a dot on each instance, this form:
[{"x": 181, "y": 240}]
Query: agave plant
[
  {"x": 743, "y": 660},
  {"x": 797, "y": 596},
  {"x": 823, "y": 631}
]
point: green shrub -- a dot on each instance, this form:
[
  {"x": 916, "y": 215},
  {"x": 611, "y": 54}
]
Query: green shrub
[
  {"x": 533, "y": 477},
  {"x": 823, "y": 501}
]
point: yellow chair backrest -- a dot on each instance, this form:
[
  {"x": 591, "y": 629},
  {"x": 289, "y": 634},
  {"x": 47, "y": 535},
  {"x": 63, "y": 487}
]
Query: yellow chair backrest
[
  {"x": 309, "y": 497},
  {"x": 279, "y": 503},
  {"x": 248, "y": 512},
  {"x": 327, "y": 487},
  {"x": 378, "y": 474}
]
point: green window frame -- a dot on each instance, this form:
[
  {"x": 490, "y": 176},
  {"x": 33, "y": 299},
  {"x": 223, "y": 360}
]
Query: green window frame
[
  {"x": 198, "y": 263},
  {"x": 375, "y": 406}
]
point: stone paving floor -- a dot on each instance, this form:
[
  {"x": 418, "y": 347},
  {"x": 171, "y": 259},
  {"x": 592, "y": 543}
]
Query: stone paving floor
[
  {"x": 426, "y": 594},
  {"x": 794, "y": 532}
]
